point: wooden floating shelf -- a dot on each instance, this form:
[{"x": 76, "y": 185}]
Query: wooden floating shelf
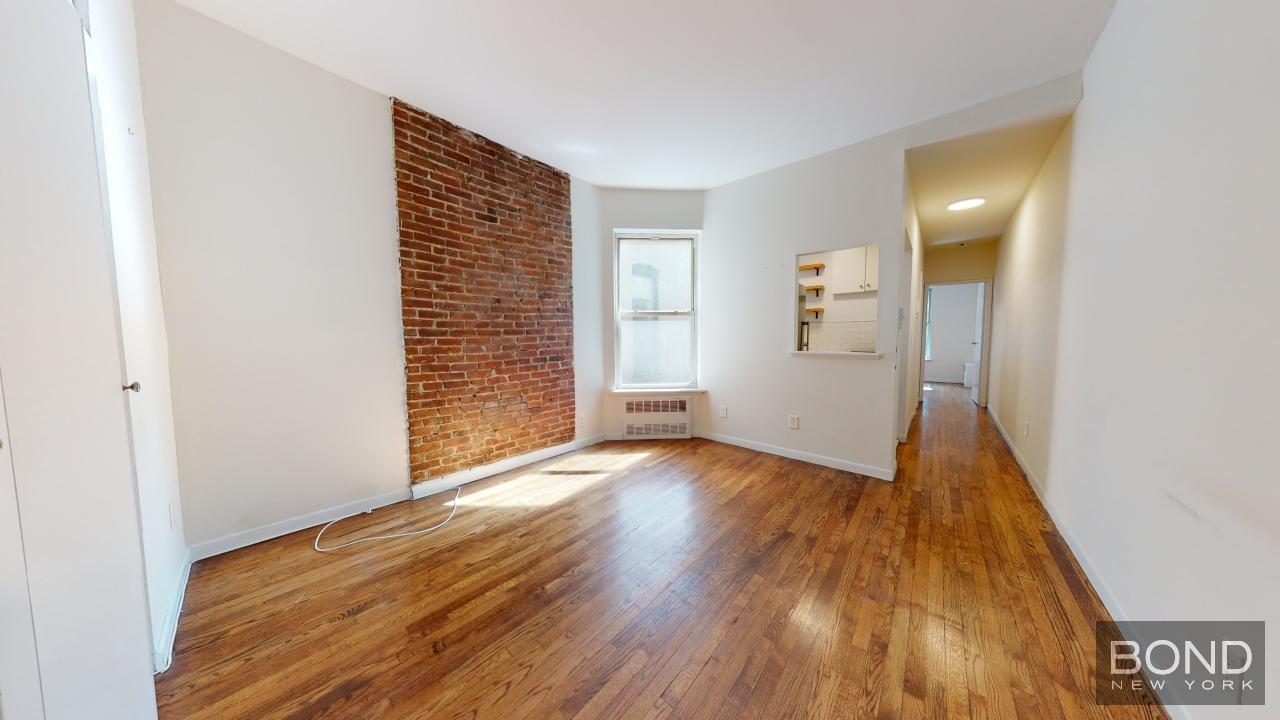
[
  {"x": 816, "y": 267},
  {"x": 814, "y": 310},
  {"x": 815, "y": 289}
]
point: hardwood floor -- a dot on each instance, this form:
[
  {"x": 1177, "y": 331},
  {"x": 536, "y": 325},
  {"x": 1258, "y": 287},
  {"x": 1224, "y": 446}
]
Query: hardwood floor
[{"x": 666, "y": 579}]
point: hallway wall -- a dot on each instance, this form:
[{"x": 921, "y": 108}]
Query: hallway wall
[
  {"x": 1025, "y": 306},
  {"x": 976, "y": 260},
  {"x": 1160, "y": 195}
]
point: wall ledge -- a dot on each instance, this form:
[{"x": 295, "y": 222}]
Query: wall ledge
[{"x": 836, "y": 354}]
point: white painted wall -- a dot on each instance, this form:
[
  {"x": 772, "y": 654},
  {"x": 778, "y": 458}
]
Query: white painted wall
[
  {"x": 1160, "y": 197},
  {"x": 275, "y": 217},
  {"x": 68, "y": 442},
  {"x": 752, "y": 231},
  {"x": 591, "y": 252},
  {"x": 954, "y": 328},
  {"x": 113, "y": 60},
  {"x": 1026, "y": 302}
]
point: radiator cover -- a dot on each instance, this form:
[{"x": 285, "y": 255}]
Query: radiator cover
[{"x": 654, "y": 418}]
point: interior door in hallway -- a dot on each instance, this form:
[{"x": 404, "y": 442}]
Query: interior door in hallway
[{"x": 975, "y": 388}]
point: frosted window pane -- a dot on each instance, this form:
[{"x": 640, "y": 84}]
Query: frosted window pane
[
  {"x": 656, "y": 350},
  {"x": 655, "y": 274}
]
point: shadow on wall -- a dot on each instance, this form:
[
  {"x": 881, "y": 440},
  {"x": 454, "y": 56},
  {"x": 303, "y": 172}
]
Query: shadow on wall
[{"x": 1027, "y": 305}]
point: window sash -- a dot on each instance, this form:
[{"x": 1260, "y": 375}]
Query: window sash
[
  {"x": 653, "y": 313},
  {"x": 621, "y": 315}
]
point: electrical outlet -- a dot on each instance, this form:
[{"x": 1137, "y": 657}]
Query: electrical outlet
[
  {"x": 793, "y": 422},
  {"x": 724, "y": 411},
  {"x": 1026, "y": 428},
  {"x": 173, "y": 515}
]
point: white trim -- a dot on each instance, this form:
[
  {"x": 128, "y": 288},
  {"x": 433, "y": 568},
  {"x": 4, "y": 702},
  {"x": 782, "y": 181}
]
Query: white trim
[
  {"x": 1104, "y": 593},
  {"x": 654, "y": 391},
  {"x": 462, "y": 477},
  {"x": 835, "y": 353},
  {"x": 235, "y": 541},
  {"x": 988, "y": 321},
  {"x": 868, "y": 470},
  {"x": 162, "y": 653},
  {"x": 695, "y": 298}
]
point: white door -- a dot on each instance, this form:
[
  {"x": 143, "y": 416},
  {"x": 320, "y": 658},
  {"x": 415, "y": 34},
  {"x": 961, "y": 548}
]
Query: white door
[
  {"x": 976, "y": 388},
  {"x": 19, "y": 677},
  {"x": 144, "y": 354},
  {"x": 59, "y": 352}
]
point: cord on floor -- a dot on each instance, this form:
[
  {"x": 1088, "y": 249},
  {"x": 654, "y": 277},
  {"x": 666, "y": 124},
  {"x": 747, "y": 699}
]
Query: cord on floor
[{"x": 456, "y": 496}]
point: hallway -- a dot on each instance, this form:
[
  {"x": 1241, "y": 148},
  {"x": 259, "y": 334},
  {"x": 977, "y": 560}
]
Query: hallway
[
  {"x": 677, "y": 579},
  {"x": 1005, "y": 595}
]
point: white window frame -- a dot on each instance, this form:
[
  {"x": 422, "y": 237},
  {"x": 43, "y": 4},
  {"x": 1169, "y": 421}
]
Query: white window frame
[{"x": 694, "y": 236}]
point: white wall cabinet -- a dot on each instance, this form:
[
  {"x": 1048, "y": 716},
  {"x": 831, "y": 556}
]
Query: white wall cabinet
[
  {"x": 871, "y": 270},
  {"x": 853, "y": 270}
]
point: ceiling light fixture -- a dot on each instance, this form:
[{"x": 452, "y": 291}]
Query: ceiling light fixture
[{"x": 968, "y": 204}]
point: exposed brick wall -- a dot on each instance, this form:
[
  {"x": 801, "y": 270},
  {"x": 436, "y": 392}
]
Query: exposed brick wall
[{"x": 487, "y": 298}]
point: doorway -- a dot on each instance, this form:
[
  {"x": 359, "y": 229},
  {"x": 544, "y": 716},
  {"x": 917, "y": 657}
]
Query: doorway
[{"x": 957, "y": 336}]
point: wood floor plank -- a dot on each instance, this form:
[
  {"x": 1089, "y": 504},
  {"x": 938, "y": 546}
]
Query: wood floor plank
[{"x": 666, "y": 579}]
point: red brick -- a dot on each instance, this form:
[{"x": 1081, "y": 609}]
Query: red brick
[{"x": 487, "y": 302}]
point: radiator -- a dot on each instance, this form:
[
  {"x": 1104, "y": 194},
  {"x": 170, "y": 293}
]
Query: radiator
[{"x": 653, "y": 418}]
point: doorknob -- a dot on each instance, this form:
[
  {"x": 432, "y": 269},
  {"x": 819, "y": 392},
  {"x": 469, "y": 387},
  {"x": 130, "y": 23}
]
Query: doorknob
[{"x": 134, "y": 386}]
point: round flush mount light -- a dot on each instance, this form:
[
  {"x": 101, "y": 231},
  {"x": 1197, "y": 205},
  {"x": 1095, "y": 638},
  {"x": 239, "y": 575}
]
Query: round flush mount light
[{"x": 967, "y": 204}]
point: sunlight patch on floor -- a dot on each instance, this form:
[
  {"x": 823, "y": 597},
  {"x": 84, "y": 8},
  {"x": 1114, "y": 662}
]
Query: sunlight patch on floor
[{"x": 552, "y": 484}]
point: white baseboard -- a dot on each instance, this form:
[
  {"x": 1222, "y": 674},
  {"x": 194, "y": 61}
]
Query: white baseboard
[
  {"x": 235, "y": 541},
  {"x": 462, "y": 477},
  {"x": 162, "y": 653},
  {"x": 868, "y": 470},
  {"x": 1104, "y": 594},
  {"x": 1180, "y": 712}
]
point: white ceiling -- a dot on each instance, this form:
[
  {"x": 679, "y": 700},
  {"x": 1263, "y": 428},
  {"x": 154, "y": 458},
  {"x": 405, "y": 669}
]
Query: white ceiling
[
  {"x": 680, "y": 93},
  {"x": 996, "y": 165}
]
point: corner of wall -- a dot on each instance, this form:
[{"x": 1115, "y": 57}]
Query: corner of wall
[{"x": 589, "y": 314}]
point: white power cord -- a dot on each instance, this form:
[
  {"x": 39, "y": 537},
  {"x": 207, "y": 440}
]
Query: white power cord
[{"x": 456, "y": 496}]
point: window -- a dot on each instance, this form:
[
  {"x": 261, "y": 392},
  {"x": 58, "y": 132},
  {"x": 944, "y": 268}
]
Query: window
[{"x": 655, "y": 327}]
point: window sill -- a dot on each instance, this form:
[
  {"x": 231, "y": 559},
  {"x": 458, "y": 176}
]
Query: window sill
[
  {"x": 655, "y": 391},
  {"x": 830, "y": 353}
]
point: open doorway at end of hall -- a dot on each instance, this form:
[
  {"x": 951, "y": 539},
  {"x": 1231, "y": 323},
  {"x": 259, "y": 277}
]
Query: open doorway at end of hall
[{"x": 957, "y": 336}]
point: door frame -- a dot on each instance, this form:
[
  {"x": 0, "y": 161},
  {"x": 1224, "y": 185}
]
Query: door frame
[
  {"x": 21, "y": 693},
  {"x": 984, "y": 361}
]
